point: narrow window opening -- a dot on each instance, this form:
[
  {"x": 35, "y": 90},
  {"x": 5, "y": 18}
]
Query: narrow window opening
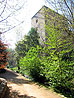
[{"x": 36, "y": 20}]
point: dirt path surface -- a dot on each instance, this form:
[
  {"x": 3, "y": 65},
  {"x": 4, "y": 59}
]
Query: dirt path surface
[{"x": 20, "y": 87}]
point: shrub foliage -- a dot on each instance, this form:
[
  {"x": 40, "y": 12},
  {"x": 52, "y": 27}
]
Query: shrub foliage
[{"x": 3, "y": 55}]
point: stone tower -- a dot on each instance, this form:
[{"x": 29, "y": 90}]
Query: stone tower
[{"x": 47, "y": 17}]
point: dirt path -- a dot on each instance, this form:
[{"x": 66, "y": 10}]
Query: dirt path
[{"x": 20, "y": 87}]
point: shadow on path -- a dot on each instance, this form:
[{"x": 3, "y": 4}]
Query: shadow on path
[
  {"x": 15, "y": 94},
  {"x": 14, "y": 77},
  {"x": 17, "y": 89}
]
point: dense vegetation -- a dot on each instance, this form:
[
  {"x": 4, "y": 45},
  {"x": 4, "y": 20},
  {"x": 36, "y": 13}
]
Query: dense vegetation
[{"x": 52, "y": 65}]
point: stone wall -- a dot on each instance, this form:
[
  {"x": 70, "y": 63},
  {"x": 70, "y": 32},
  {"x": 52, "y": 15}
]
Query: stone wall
[
  {"x": 45, "y": 19},
  {"x": 3, "y": 87},
  {"x": 38, "y": 22}
]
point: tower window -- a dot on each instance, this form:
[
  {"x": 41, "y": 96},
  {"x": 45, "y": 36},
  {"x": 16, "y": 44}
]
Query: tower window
[{"x": 36, "y": 20}]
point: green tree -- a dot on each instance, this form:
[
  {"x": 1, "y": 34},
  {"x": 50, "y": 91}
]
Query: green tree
[
  {"x": 12, "y": 60},
  {"x": 32, "y": 64},
  {"x": 55, "y": 60},
  {"x": 23, "y": 46},
  {"x": 66, "y": 8},
  {"x": 20, "y": 51},
  {"x": 32, "y": 38},
  {"x": 60, "y": 71}
]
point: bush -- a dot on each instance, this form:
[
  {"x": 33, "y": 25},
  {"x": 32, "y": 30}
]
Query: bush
[
  {"x": 3, "y": 55},
  {"x": 52, "y": 64},
  {"x": 32, "y": 63}
]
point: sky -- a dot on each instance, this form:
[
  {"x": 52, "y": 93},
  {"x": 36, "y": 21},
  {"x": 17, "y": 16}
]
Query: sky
[{"x": 28, "y": 10}]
